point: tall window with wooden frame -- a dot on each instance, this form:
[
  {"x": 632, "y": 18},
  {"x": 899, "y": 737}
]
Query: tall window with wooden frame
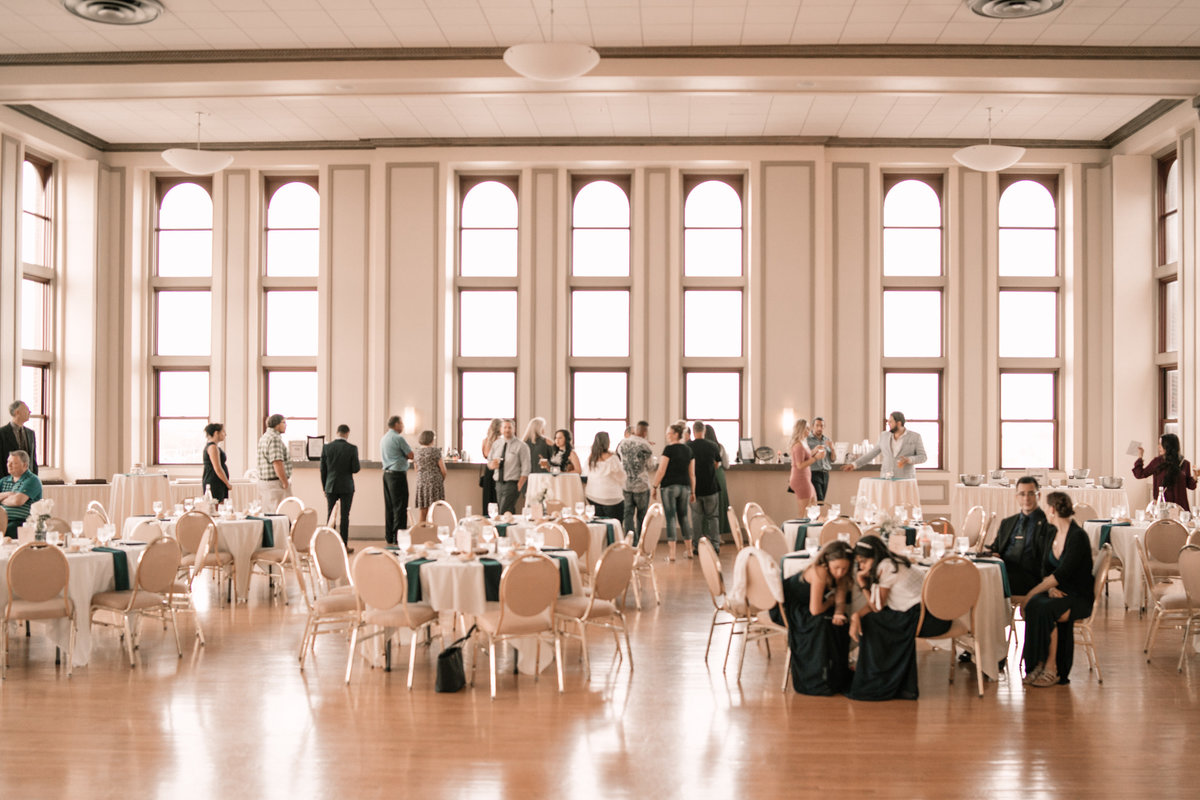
[
  {"x": 38, "y": 285},
  {"x": 1170, "y": 309}
]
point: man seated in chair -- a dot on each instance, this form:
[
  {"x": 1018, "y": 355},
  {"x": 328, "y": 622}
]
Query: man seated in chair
[
  {"x": 19, "y": 490},
  {"x": 1021, "y": 539}
]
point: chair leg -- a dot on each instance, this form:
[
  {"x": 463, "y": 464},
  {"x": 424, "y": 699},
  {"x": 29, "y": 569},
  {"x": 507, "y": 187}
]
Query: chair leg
[
  {"x": 787, "y": 670},
  {"x": 129, "y": 640},
  {"x": 628, "y": 649},
  {"x": 1153, "y": 634},
  {"x": 304, "y": 640},
  {"x": 4, "y": 651},
  {"x": 350, "y": 656},
  {"x": 712, "y": 626},
  {"x": 587, "y": 666},
  {"x": 175, "y": 630},
  {"x": 1187, "y": 631},
  {"x": 745, "y": 644},
  {"x": 952, "y": 660},
  {"x": 492, "y": 663},
  {"x": 558, "y": 658},
  {"x": 412, "y": 660},
  {"x": 654, "y": 583}
]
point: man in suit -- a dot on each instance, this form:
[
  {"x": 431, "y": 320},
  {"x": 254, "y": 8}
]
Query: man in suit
[
  {"x": 1022, "y": 538},
  {"x": 339, "y": 462},
  {"x": 15, "y": 436},
  {"x": 901, "y": 449}
]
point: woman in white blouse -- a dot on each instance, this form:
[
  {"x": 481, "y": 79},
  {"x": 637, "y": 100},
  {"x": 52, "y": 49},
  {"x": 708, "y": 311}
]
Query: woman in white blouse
[{"x": 605, "y": 480}]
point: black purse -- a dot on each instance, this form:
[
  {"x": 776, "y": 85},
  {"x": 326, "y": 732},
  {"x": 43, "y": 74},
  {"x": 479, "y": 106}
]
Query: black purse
[{"x": 451, "y": 677}]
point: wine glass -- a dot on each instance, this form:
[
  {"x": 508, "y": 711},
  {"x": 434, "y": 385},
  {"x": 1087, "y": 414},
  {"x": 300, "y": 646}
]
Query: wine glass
[
  {"x": 488, "y": 534},
  {"x": 917, "y": 514},
  {"x": 493, "y": 509},
  {"x": 104, "y": 533},
  {"x": 188, "y": 504},
  {"x": 76, "y": 529},
  {"x": 157, "y": 505},
  {"x": 962, "y": 544},
  {"x": 443, "y": 535},
  {"x": 590, "y": 510},
  {"x": 580, "y": 507}
]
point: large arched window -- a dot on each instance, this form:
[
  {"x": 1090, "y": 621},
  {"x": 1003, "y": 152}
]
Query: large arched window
[
  {"x": 1170, "y": 310},
  {"x": 1028, "y": 320},
  {"x": 37, "y": 297}
]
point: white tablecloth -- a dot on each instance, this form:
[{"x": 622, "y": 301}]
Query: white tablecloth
[
  {"x": 1003, "y": 499},
  {"x": 1121, "y": 537},
  {"x": 565, "y": 487},
  {"x": 242, "y": 493},
  {"x": 135, "y": 494},
  {"x": 886, "y": 494},
  {"x": 71, "y": 501},
  {"x": 597, "y": 528}
]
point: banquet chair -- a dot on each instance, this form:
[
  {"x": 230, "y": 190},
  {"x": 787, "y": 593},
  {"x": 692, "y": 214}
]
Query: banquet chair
[
  {"x": 710, "y": 565},
  {"x": 38, "y": 577},
  {"x": 334, "y": 520},
  {"x": 988, "y": 534},
  {"x": 1193, "y": 538},
  {"x": 552, "y": 534},
  {"x": 181, "y": 598},
  {"x": 735, "y": 527},
  {"x": 381, "y": 589},
  {"x": 830, "y": 531},
  {"x": 554, "y": 508},
  {"x": 599, "y": 607},
  {"x": 58, "y": 525},
  {"x": 760, "y": 599},
  {"x": 332, "y": 562},
  {"x": 97, "y": 507},
  {"x": 189, "y": 528},
  {"x": 772, "y": 540},
  {"x": 151, "y": 595},
  {"x": 146, "y": 530},
  {"x": 273, "y": 562},
  {"x": 328, "y": 613},
  {"x": 300, "y": 544},
  {"x": 441, "y": 513},
  {"x": 757, "y": 523},
  {"x": 1164, "y": 539},
  {"x": 973, "y": 526},
  {"x": 951, "y": 591},
  {"x": 942, "y": 526},
  {"x": 1189, "y": 571},
  {"x": 643, "y": 565},
  {"x": 748, "y": 513},
  {"x": 290, "y": 507},
  {"x": 528, "y": 595},
  {"x": 423, "y": 533},
  {"x": 579, "y": 539},
  {"x": 1169, "y": 597},
  {"x": 1082, "y": 629},
  {"x": 92, "y": 520},
  {"x": 3, "y": 519},
  {"x": 1084, "y": 512}
]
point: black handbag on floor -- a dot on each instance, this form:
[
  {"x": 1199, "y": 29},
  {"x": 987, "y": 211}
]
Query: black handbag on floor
[{"x": 450, "y": 673}]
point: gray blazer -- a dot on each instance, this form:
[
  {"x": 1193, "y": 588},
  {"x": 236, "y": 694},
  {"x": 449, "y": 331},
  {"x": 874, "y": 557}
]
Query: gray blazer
[{"x": 911, "y": 447}]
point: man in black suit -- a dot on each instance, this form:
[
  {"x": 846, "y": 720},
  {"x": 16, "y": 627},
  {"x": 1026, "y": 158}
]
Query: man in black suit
[
  {"x": 339, "y": 462},
  {"x": 15, "y": 436},
  {"x": 1022, "y": 538}
]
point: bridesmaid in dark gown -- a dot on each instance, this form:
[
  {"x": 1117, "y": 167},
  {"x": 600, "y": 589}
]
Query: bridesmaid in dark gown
[
  {"x": 216, "y": 473},
  {"x": 815, "y": 601}
]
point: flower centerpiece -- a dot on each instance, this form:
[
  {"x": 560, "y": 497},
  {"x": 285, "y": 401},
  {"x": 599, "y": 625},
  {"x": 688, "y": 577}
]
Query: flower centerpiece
[
  {"x": 40, "y": 513},
  {"x": 540, "y": 499},
  {"x": 889, "y": 524}
]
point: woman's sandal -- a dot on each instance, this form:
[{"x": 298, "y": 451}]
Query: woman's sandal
[{"x": 1046, "y": 678}]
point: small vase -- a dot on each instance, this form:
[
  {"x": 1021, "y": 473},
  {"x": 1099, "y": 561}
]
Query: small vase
[{"x": 39, "y": 532}]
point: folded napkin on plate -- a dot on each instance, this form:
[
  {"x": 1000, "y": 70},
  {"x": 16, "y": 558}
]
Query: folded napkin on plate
[
  {"x": 120, "y": 567},
  {"x": 413, "y": 570}
]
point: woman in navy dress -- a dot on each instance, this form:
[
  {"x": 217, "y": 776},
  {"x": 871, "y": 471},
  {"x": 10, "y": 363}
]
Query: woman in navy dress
[{"x": 216, "y": 474}]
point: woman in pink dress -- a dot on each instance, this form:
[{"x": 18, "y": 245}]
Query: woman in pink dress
[{"x": 800, "y": 481}]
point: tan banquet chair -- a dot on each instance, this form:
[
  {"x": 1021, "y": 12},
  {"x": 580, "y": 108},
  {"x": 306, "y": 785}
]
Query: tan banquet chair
[
  {"x": 710, "y": 564},
  {"x": 830, "y": 531},
  {"x": 329, "y": 613},
  {"x": 950, "y": 592},
  {"x": 1084, "y": 512},
  {"x": 735, "y": 527},
  {"x": 772, "y": 540},
  {"x": 757, "y": 523},
  {"x": 273, "y": 562},
  {"x": 98, "y": 507},
  {"x": 290, "y": 507},
  {"x": 423, "y": 533},
  {"x": 1169, "y": 597},
  {"x": 760, "y": 600},
  {"x": 973, "y": 527},
  {"x": 1189, "y": 571},
  {"x": 442, "y": 513},
  {"x": 552, "y": 534},
  {"x": 182, "y": 598},
  {"x": 152, "y": 594},
  {"x": 58, "y": 525},
  {"x": 92, "y": 520},
  {"x": 38, "y": 577},
  {"x": 528, "y": 594},
  {"x": 748, "y": 513},
  {"x": 942, "y": 526},
  {"x": 334, "y": 520},
  {"x": 332, "y": 562},
  {"x": 652, "y": 529},
  {"x": 554, "y": 508},
  {"x": 189, "y": 528},
  {"x": 599, "y": 608},
  {"x": 381, "y": 587},
  {"x": 579, "y": 539},
  {"x": 1083, "y": 627},
  {"x": 146, "y": 530},
  {"x": 1164, "y": 539}
]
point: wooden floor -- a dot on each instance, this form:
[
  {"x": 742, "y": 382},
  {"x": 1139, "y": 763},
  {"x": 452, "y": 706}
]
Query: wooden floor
[{"x": 238, "y": 719}]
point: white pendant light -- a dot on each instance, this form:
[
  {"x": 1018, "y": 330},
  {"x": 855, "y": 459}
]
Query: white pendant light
[
  {"x": 197, "y": 162},
  {"x": 551, "y": 61},
  {"x": 989, "y": 157}
]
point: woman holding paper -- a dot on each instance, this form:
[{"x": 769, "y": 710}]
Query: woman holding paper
[{"x": 1169, "y": 470}]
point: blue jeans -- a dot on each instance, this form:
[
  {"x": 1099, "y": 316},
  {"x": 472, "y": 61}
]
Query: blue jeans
[
  {"x": 636, "y": 504},
  {"x": 675, "y": 506},
  {"x": 706, "y": 521}
]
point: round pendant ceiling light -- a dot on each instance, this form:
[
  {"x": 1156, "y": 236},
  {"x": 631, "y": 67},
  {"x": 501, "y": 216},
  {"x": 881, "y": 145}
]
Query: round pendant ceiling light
[{"x": 115, "y": 12}]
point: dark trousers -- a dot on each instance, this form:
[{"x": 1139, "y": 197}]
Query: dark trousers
[
  {"x": 395, "y": 503},
  {"x": 506, "y": 496},
  {"x": 615, "y": 511},
  {"x": 13, "y": 525},
  {"x": 347, "y": 498},
  {"x": 820, "y": 479}
]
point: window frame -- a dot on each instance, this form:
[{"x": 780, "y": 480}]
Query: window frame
[
  {"x": 460, "y": 373},
  {"x": 572, "y": 419},
  {"x": 940, "y": 372},
  {"x": 1165, "y": 272},
  {"x": 1055, "y": 376},
  {"x": 741, "y": 395},
  {"x": 44, "y": 358}
]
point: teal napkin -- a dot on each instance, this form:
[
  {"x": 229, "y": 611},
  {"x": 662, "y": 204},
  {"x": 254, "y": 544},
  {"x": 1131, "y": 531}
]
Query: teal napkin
[
  {"x": 120, "y": 567},
  {"x": 413, "y": 570}
]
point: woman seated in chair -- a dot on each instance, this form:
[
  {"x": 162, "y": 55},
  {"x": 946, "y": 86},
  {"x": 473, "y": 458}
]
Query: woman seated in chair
[
  {"x": 885, "y": 628},
  {"x": 1064, "y": 595},
  {"x": 816, "y": 601}
]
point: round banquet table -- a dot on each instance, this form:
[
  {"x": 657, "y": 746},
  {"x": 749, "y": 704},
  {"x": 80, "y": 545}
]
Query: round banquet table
[
  {"x": 1121, "y": 538},
  {"x": 134, "y": 495},
  {"x": 242, "y": 493},
  {"x": 1003, "y": 499},
  {"x": 887, "y": 493},
  {"x": 71, "y": 501},
  {"x": 566, "y": 487},
  {"x": 597, "y": 528}
]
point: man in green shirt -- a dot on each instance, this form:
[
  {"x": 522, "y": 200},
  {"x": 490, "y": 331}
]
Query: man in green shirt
[{"x": 19, "y": 490}]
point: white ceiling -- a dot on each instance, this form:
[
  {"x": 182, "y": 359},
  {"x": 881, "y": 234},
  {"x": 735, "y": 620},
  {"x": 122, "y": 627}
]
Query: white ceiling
[{"x": 845, "y": 93}]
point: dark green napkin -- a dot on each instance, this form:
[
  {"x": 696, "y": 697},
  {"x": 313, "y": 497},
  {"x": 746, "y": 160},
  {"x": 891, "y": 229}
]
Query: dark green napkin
[
  {"x": 268, "y": 531},
  {"x": 492, "y": 571},
  {"x": 564, "y": 574},
  {"x": 413, "y": 570},
  {"x": 610, "y": 537},
  {"x": 120, "y": 567},
  {"x": 1106, "y": 531},
  {"x": 1003, "y": 570}
]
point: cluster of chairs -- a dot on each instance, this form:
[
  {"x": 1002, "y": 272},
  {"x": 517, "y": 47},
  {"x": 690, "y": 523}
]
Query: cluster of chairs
[{"x": 1170, "y": 561}]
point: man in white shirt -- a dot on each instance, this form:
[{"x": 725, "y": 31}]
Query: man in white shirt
[
  {"x": 510, "y": 460},
  {"x": 901, "y": 449}
]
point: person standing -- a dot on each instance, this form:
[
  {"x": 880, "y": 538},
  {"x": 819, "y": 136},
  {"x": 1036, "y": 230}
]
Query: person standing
[
  {"x": 677, "y": 476},
  {"x": 1169, "y": 470},
  {"x": 339, "y": 462},
  {"x": 487, "y": 479},
  {"x": 606, "y": 480},
  {"x": 706, "y": 458},
  {"x": 800, "y": 481},
  {"x": 820, "y": 468},
  {"x": 710, "y": 433},
  {"x": 395, "y": 454},
  {"x": 510, "y": 460},
  {"x": 431, "y": 474},
  {"x": 19, "y": 490},
  {"x": 15, "y": 436},
  {"x": 637, "y": 459},
  {"x": 901, "y": 449},
  {"x": 274, "y": 464},
  {"x": 540, "y": 448},
  {"x": 216, "y": 474}
]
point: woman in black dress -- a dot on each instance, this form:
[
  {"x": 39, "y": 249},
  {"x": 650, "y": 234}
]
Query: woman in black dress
[
  {"x": 216, "y": 474},
  {"x": 886, "y": 627},
  {"x": 815, "y": 601},
  {"x": 1065, "y": 594},
  {"x": 487, "y": 477},
  {"x": 540, "y": 448}
]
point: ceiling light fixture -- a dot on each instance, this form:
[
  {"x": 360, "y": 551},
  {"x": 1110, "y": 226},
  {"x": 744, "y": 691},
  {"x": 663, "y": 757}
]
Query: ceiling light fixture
[
  {"x": 551, "y": 61},
  {"x": 115, "y": 12},
  {"x": 989, "y": 157},
  {"x": 1013, "y": 9},
  {"x": 197, "y": 162}
]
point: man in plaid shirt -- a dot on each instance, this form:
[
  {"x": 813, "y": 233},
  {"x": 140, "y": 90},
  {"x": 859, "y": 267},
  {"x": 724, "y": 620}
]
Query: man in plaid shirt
[{"x": 274, "y": 464}]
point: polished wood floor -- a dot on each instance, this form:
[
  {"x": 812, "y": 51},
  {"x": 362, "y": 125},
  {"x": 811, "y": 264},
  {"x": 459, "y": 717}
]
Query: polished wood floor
[{"x": 238, "y": 719}]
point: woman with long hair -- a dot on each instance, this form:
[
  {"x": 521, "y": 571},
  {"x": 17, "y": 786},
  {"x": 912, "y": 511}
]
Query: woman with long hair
[
  {"x": 710, "y": 433},
  {"x": 487, "y": 477},
  {"x": 605, "y": 488},
  {"x": 816, "y": 600},
  {"x": 677, "y": 476},
  {"x": 800, "y": 479},
  {"x": 216, "y": 473},
  {"x": 1065, "y": 594},
  {"x": 1170, "y": 470},
  {"x": 540, "y": 448},
  {"x": 564, "y": 458},
  {"x": 886, "y": 625}
]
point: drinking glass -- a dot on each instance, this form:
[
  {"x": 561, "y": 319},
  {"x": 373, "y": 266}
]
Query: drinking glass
[
  {"x": 188, "y": 504},
  {"x": 580, "y": 508},
  {"x": 493, "y": 510},
  {"x": 844, "y": 537},
  {"x": 962, "y": 543},
  {"x": 590, "y": 511},
  {"x": 937, "y": 548},
  {"x": 157, "y": 505},
  {"x": 488, "y": 534},
  {"x": 77, "y": 527},
  {"x": 443, "y": 534},
  {"x": 105, "y": 533},
  {"x": 469, "y": 509},
  {"x": 835, "y": 511},
  {"x": 53, "y": 537},
  {"x": 917, "y": 514},
  {"x": 813, "y": 512}
]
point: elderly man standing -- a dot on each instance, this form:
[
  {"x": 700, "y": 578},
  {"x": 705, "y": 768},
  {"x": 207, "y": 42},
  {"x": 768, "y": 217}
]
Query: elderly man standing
[
  {"x": 396, "y": 456},
  {"x": 15, "y": 436},
  {"x": 274, "y": 464},
  {"x": 510, "y": 460},
  {"x": 19, "y": 490}
]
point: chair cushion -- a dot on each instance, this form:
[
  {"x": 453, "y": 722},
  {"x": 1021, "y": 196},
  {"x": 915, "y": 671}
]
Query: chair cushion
[
  {"x": 1174, "y": 599},
  {"x": 513, "y": 623},
  {"x": 119, "y": 601},
  {"x": 38, "y": 609},
  {"x": 418, "y": 614},
  {"x": 335, "y": 604},
  {"x": 273, "y": 554},
  {"x": 575, "y": 606}
]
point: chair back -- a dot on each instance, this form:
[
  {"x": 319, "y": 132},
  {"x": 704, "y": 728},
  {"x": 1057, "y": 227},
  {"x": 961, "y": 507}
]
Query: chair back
[
  {"x": 303, "y": 529},
  {"x": 830, "y": 531},
  {"x": 58, "y": 525},
  {"x": 772, "y": 540},
  {"x": 579, "y": 538},
  {"x": 988, "y": 534},
  {"x": 1164, "y": 539},
  {"x": 554, "y": 508},
  {"x": 652, "y": 529},
  {"x": 951, "y": 588},
  {"x": 423, "y": 533},
  {"x": 92, "y": 520},
  {"x": 290, "y": 507},
  {"x": 972, "y": 526},
  {"x": 757, "y": 523},
  {"x": 1084, "y": 512},
  {"x": 159, "y": 565},
  {"x": 334, "y": 520},
  {"x": 1100, "y": 570},
  {"x": 1189, "y": 570},
  {"x": 190, "y": 527},
  {"x": 942, "y": 526},
  {"x": 552, "y": 534},
  {"x": 202, "y": 550},
  {"x": 710, "y": 565},
  {"x": 379, "y": 579},
  {"x": 38, "y": 572},
  {"x": 748, "y": 512},
  {"x": 758, "y": 592},
  {"x": 528, "y": 587},
  {"x": 442, "y": 513},
  {"x": 147, "y": 530},
  {"x": 97, "y": 507},
  {"x": 735, "y": 527},
  {"x": 329, "y": 551},
  {"x": 614, "y": 571},
  {"x": 3, "y": 519}
]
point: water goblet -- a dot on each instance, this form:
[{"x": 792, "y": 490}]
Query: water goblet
[
  {"x": 443, "y": 535},
  {"x": 962, "y": 544},
  {"x": 937, "y": 548},
  {"x": 188, "y": 504},
  {"x": 917, "y": 514},
  {"x": 488, "y": 534},
  {"x": 157, "y": 505},
  {"x": 590, "y": 511},
  {"x": 493, "y": 509},
  {"x": 580, "y": 507}
]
